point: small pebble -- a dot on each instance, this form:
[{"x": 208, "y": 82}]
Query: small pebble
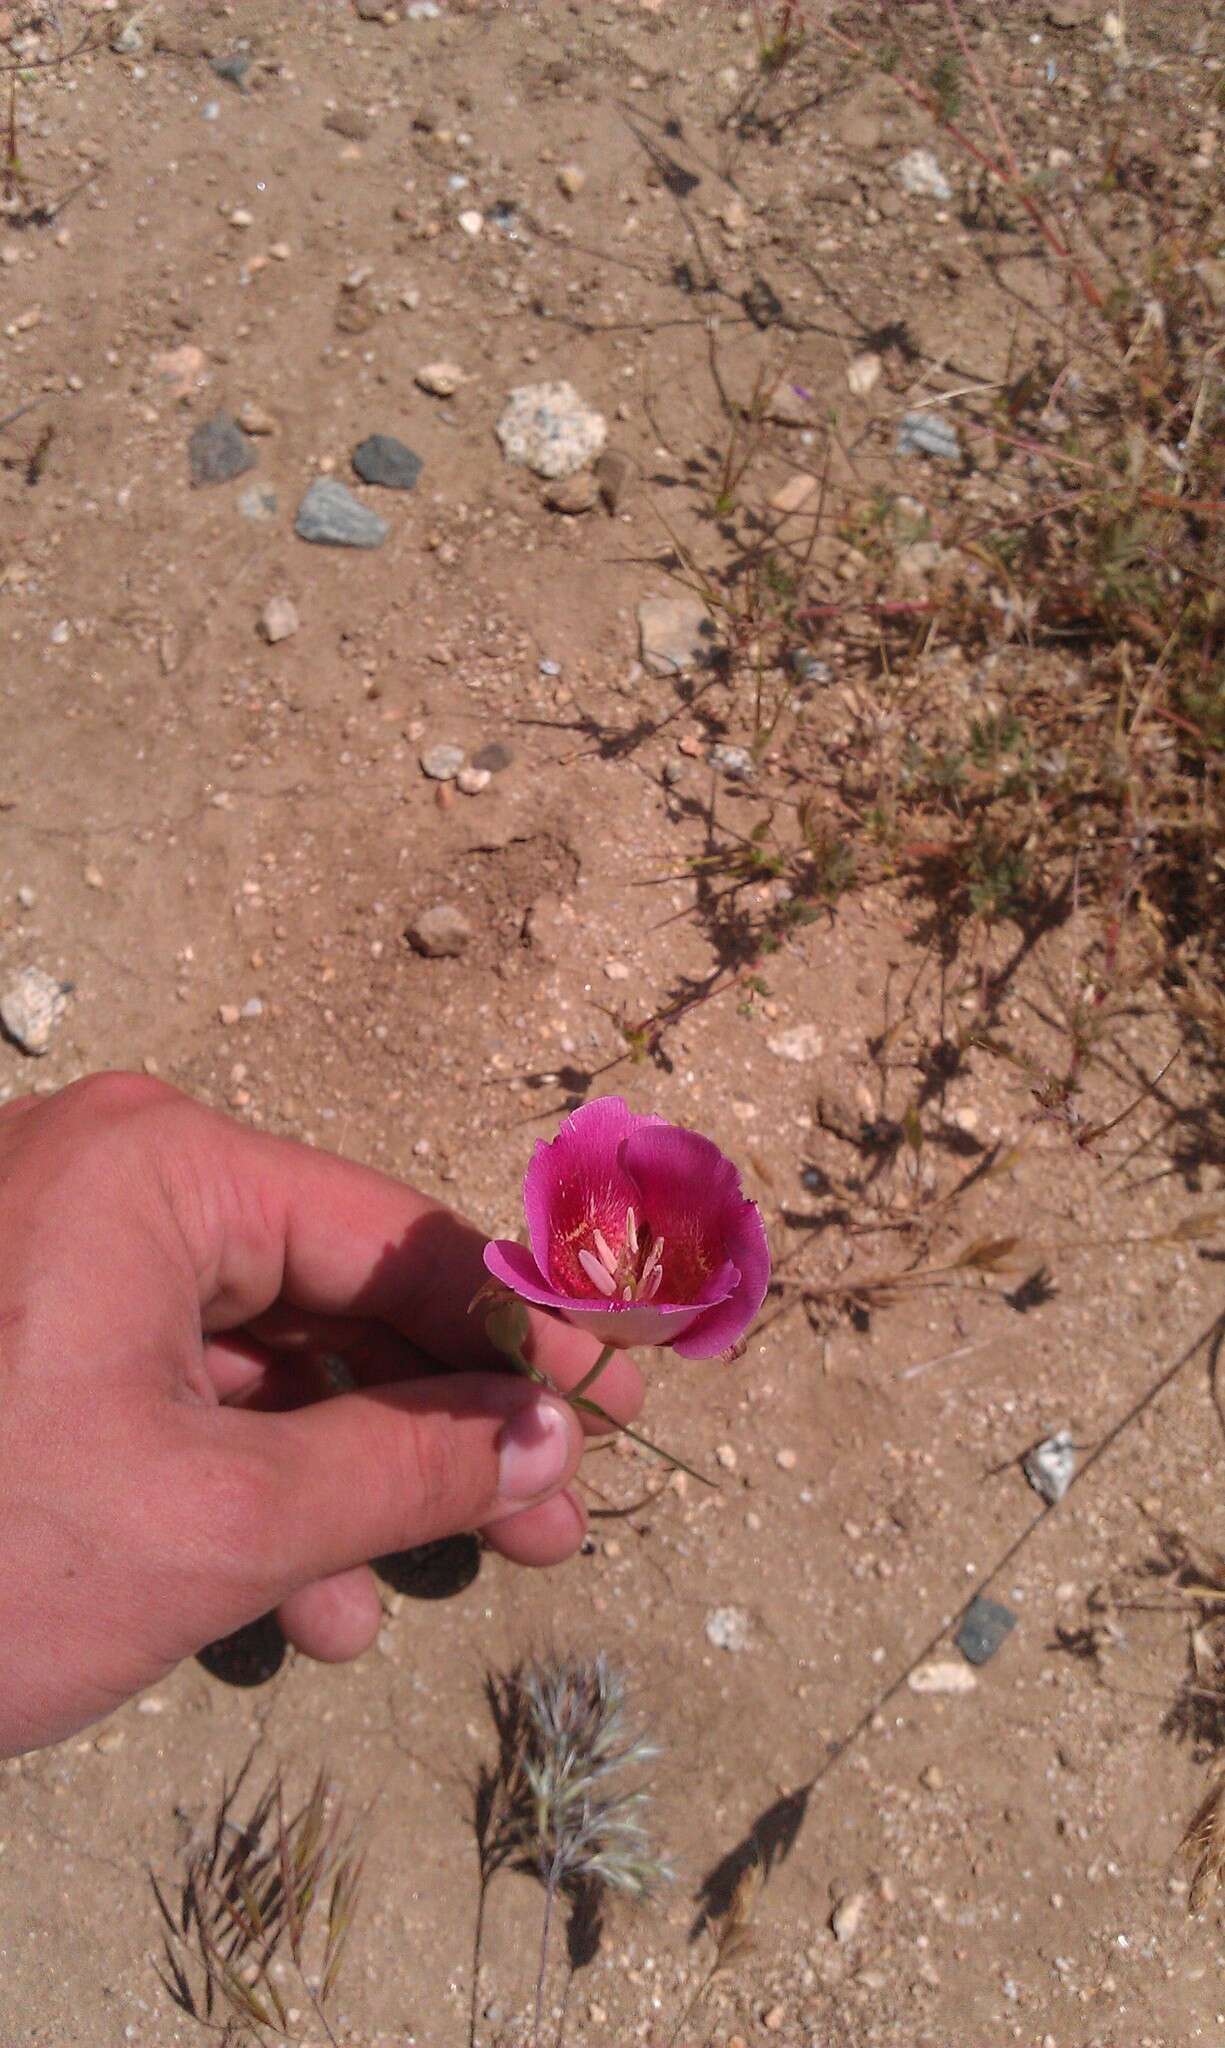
[
  {"x": 30, "y": 1009},
  {"x": 441, "y": 933},
  {"x": 233, "y": 67},
  {"x": 985, "y": 1625},
  {"x": 675, "y": 634},
  {"x": 471, "y": 781},
  {"x": 471, "y": 222},
  {"x": 863, "y": 374},
  {"x": 572, "y": 178},
  {"x": 573, "y": 495},
  {"x": 258, "y": 504},
  {"x": 847, "y": 1915},
  {"x": 800, "y": 1042},
  {"x": 381, "y": 459},
  {"x": 278, "y": 620},
  {"x": 919, "y": 173},
  {"x": 441, "y": 380},
  {"x": 616, "y": 970},
  {"x": 228, "y": 1014},
  {"x": 785, "y": 1460},
  {"x": 735, "y": 762},
  {"x": 725, "y": 1455},
  {"x": 218, "y": 451},
  {"x": 793, "y": 495},
  {"x": 550, "y": 429},
  {"x": 254, "y": 420},
  {"x": 495, "y": 757},
  {"x": 1050, "y": 1466},
  {"x": 728, "y": 1628},
  {"x": 332, "y": 516},
  {"x": 942, "y": 1675},
  {"x": 612, "y": 474},
  {"x": 442, "y": 763},
  {"x": 928, "y": 433}
]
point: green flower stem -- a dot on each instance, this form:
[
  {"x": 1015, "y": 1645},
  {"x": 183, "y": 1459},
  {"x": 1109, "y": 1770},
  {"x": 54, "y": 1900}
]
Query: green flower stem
[
  {"x": 644, "y": 1442},
  {"x": 589, "y": 1378},
  {"x": 510, "y": 1346}
]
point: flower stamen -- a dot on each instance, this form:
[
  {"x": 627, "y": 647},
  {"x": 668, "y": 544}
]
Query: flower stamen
[
  {"x": 599, "y": 1275},
  {"x": 635, "y": 1273}
]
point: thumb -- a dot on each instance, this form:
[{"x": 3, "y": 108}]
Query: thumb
[{"x": 390, "y": 1467}]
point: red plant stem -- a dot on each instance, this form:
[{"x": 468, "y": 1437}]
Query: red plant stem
[{"x": 1005, "y": 172}]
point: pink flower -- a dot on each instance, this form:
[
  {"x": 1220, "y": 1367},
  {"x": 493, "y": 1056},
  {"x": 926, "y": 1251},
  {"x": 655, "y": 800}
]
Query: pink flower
[{"x": 640, "y": 1233}]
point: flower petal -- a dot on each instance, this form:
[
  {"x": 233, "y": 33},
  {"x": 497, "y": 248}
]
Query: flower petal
[
  {"x": 687, "y": 1189},
  {"x": 692, "y": 1198},
  {"x": 638, "y": 1322},
  {"x": 725, "y": 1322},
  {"x": 515, "y": 1267},
  {"x": 575, "y": 1186}
]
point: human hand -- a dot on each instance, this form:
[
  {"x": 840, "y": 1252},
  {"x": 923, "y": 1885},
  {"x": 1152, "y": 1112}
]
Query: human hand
[{"x": 173, "y": 1460}]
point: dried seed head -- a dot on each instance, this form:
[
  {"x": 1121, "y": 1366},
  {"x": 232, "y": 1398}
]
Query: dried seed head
[{"x": 567, "y": 1796}]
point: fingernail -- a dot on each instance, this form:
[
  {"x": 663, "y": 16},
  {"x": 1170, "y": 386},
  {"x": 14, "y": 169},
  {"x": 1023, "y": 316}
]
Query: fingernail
[{"x": 533, "y": 1451}]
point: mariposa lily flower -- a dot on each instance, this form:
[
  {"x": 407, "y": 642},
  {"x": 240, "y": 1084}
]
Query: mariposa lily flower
[{"x": 639, "y": 1231}]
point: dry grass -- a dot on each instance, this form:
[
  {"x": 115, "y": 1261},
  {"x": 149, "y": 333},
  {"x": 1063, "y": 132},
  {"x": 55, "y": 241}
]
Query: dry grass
[{"x": 263, "y": 1905}]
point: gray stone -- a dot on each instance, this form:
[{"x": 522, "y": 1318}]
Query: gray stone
[
  {"x": 928, "y": 433},
  {"x": 984, "y": 1626},
  {"x": 1050, "y": 1466},
  {"x": 443, "y": 763},
  {"x": 219, "y": 451},
  {"x": 381, "y": 459},
  {"x": 735, "y": 762},
  {"x": 233, "y": 67},
  {"x": 550, "y": 429},
  {"x": 30, "y": 1009},
  {"x": 442, "y": 933},
  {"x": 919, "y": 174},
  {"x": 675, "y": 634},
  {"x": 331, "y": 516},
  {"x": 496, "y": 756}
]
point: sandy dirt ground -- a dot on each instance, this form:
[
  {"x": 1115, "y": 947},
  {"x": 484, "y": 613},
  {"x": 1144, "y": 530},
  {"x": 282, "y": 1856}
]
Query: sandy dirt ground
[{"x": 220, "y": 840}]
